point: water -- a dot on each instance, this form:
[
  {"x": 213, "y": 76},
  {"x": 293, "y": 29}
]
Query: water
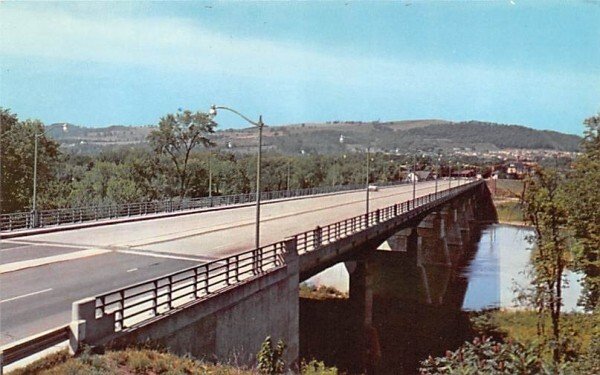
[
  {"x": 408, "y": 327},
  {"x": 499, "y": 265}
]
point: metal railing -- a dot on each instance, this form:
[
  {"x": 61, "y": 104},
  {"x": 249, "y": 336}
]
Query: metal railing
[
  {"x": 146, "y": 300},
  {"x": 24, "y": 348},
  {"x": 313, "y": 239},
  {"x": 149, "y": 299},
  {"x": 45, "y": 218}
]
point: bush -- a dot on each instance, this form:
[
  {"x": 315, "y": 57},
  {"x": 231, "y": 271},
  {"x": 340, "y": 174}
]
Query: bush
[
  {"x": 486, "y": 356},
  {"x": 315, "y": 367},
  {"x": 270, "y": 360}
]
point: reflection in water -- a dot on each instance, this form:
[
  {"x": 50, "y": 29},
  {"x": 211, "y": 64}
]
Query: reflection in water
[
  {"x": 419, "y": 310},
  {"x": 500, "y": 264}
]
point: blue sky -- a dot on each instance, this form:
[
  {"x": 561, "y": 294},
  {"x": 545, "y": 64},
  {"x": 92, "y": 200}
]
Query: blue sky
[{"x": 530, "y": 63}]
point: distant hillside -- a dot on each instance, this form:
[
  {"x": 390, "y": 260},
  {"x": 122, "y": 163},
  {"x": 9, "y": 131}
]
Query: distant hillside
[{"x": 325, "y": 137}]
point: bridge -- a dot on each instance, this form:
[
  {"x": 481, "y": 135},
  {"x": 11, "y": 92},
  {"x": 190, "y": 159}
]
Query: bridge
[{"x": 187, "y": 282}]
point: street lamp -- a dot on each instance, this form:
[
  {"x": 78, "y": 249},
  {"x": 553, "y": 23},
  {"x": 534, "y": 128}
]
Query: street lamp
[
  {"x": 415, "y": 174},
  {"x": 259, "y": 124},
  {"x": 342, "y": 138},
  {"x": 35, "y": 157},
  {"x": 439, "y": 170},
  {"x": 449, "y": 174}
]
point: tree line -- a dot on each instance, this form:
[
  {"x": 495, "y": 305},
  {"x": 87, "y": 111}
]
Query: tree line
[{"x": 179, "y": 164}]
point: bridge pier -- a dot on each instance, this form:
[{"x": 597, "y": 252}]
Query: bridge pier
[
  {"x": 433, "y": 247},
  {"x": 454, "y": 239}
]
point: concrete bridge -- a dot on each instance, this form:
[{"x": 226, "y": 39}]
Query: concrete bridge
[{"x": 227, "y": 306}]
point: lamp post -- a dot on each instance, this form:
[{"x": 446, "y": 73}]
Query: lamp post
[
  {"x": 415, "y": 174},
  {"x": 439, "y": 170},
  {"x": 287, "y": 186},
  {"x": 36, "y": 137},
  {"x": 210, "y": 176},
  {"x": 259, "y": 124},
  {"x": 342, "y": 138}
]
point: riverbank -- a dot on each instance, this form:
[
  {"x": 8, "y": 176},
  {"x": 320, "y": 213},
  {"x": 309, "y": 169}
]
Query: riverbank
[{"x": 510, "y": 212}]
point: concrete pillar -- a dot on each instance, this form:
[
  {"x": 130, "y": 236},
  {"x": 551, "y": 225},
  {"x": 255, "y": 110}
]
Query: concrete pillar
[
  {"x": 292, "y": 261},
  {"x": 406, "y": 242},
  {"x": 361, "y": 302},
  {"x": 463, "y": 221},
  {"x": 434, "y": 249},
  {"x": 454, "y": 240}
]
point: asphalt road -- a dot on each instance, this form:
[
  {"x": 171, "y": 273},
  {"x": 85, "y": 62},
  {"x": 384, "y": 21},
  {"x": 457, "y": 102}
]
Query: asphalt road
[{"x": 40, "y": 298}]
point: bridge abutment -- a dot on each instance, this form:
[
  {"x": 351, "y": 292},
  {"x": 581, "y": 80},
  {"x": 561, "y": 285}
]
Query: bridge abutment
[{"x": 231, "y": 324}]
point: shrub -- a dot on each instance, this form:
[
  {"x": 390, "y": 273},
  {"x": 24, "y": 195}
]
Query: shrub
[
  {"x": 486, "y": 356},
  {"x": 270, "y": 360}
]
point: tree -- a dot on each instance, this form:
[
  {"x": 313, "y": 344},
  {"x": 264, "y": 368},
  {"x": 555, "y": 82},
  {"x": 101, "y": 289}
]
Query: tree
[
  {"x": 177, "y": 136},
  {"x": 584, "y": 213},
  {"x": 17, "y": 140},
  {"x": 546, "y": 209}
]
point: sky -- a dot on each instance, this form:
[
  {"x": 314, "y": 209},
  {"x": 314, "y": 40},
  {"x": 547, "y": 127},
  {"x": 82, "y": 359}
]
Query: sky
[{"x": 100, "y": 63}]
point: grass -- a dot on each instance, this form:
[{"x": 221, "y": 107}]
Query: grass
[
  {"x": 144, "y": 361},
  {"x": 577, "y": 328},
  {"x": 509, "y": 212},
  {"x": 508, "y": 188},
  {"x": 126, "y": 362},
  {"x": 320, "y": 293}
]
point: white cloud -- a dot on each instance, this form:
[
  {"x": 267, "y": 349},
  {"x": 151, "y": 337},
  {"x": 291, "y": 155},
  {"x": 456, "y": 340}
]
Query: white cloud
[{"x": 181, "y": 44}]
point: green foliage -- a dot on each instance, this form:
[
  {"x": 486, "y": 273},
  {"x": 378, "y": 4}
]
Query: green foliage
[
  {"x": 177, "y": 135},
  {"x": 129, "y": 361},
  {"x": 510, "y": 211},
  {"x": 269, "y": 358},
  {"x": 584, "y": 215},
  {"x": 17, "y": 150},
  {"x": 321, "y": 292},
  {"x": 315, "y": 367},
  {"x": 545, "y": 207},
  {"x": 486, "y": 356}
]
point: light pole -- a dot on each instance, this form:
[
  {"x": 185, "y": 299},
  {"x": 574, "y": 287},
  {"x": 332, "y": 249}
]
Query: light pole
[
  {"x": 439, "y": 170},
  {"x": 342, "y": 138},
  {"x": 415, "y": 174},
  {"x": 210, "y": 176},
  {"x": 259, "y": 124},
  {"x": 287, "y": 186},
  {"x": 36, "y": 137}
]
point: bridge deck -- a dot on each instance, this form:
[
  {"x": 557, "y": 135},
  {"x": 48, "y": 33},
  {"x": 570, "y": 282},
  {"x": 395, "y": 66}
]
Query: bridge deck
[{"x": 35, "y": 299}]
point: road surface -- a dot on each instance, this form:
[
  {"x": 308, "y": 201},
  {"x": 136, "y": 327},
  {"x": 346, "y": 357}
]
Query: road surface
[{"x": 71, "y": 265}]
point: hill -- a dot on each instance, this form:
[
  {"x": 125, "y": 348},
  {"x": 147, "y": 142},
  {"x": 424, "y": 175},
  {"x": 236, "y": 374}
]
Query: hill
[{"x": 391, "y": 136}]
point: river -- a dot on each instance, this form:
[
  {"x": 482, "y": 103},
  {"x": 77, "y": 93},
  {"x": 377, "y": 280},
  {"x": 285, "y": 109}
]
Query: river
[{"x": 408, "y": 330}]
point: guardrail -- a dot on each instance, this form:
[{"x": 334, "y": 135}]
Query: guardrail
[
  {"x": 45, "y": 218},
  {"x": 146, "y": 300},
  {"x": 313, "y": 239},
  {"x": 31, "y": 345},
  {"x": 149, "y": 299}
]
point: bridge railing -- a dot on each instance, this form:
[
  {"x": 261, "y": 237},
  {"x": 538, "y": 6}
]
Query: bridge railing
[
  {"x": 45, "y": 218},
  {"x": 29, "y": 346},
  {"x": 313, "y": 239},
  {"x": 149, "y": 299}
]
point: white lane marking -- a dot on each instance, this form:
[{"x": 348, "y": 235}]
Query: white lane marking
[
  {"x": 149, "y": 254},
  {"x": 54, "y": 244},
  {"x": 132, "y": 270},
  {"x": 25, "y": 295},
  {"x": 21, "y": 245},
  {"x": 17, "y": 266}
]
